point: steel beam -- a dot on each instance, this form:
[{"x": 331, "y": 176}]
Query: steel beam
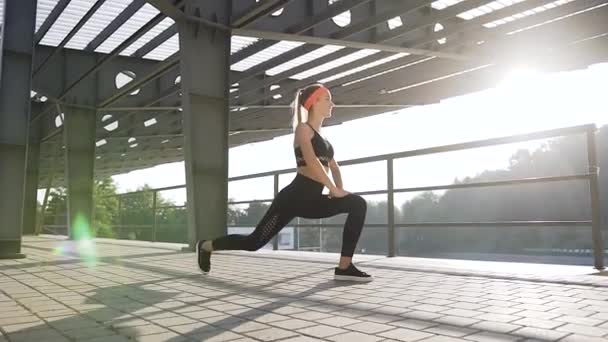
[
  {"x": 409, "y": 27},
  {"x": 50, "y": 20},
  {"x": 298, "y": 28},
  {"x": 206, "y": 136},
  {"x": 30, "y": 208},
  {"x": 79, "y": 140},
  {"x": 169, "y": 8},
  {"x": 17, "y": 51},
  {"x": 258, "y": 11},
  {"x": 122, "y": 18},
  {"x": 156, "y": 41},
  {"x": 164, "y": 67},
  {"x": 70, "y": 35},
  {"x": 341, "y": 42},
  {"x": 107, "y": 58},
  {"x": 339, "y": 35}
]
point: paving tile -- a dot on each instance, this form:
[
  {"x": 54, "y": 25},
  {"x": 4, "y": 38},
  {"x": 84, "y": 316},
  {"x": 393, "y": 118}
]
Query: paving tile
[
  {"x": 321, "y": 331},
  {"x": 583, "y": 330},
  {"x": 271, "y": 334},
  {"x": 163, "y": 337},
  {"x": 354, "y": 336},
  {"x": 450, "y": 330},
  {"x": 541, "y": 334},
  {"x": 369, "y": 327},
  {"x": 538, "y": 323},
  {"x": 293, "y": 324},
  {"x": 499, "y": 327},
  {"x": 456, "y": 320},
  {"x": 34, "y": 335},
  {"x": 406, "y": 335},
  {"x": 492, "y": 337}
]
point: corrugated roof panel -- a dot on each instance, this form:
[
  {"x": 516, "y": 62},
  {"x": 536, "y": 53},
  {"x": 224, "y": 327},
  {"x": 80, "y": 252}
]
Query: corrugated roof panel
[
  {"x": 97, "y": 23},
  {"x": 364, "y": 67},
  {"x": 44, "y": 8},
  {"x": 75, "y": 10},
  {"x": 526, "y": 13},
  {"x": 148, "y": 36},
  {"x": 239, "y": 42},
  {"x": 441, "y": 4},
  {"x": 1, "y": 13},
  {"x": 139, "y": 19},
  {"x": 318, "y": 53},
  {"x": 166, "y": 49},
  {"x": 488, "y": 8},
  {"x": 265, "y": 55},
  {"x": 388, "y": 71},
  {"x": 335, "y": 63}
]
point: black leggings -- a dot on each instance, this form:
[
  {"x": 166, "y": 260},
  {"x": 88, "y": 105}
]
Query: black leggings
[{"x": 302, "y": 198}]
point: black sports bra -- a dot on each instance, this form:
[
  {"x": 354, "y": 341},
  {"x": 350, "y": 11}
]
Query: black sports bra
[{"x": 323, "y": 150}]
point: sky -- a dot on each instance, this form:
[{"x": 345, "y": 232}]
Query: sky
[{"x": 525, "y": 101}]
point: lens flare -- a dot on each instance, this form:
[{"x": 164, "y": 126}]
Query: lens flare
[{"x": 84, "y": 241}]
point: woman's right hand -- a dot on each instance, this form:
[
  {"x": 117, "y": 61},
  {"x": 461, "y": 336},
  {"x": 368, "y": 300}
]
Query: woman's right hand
[{"x": 338, "y": 193}]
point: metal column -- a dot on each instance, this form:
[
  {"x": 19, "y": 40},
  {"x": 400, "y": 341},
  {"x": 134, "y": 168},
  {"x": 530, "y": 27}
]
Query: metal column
[
  {"x": 17, "y": 55},
  {"x": 594, "y": 190},
  {"x": 30, "y": 190},
  {"x": 205, "y": 68},
  {"x": 79, "y": 139}
]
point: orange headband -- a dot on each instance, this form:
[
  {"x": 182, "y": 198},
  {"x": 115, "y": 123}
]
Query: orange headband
[{"x": 314, "y": 96}]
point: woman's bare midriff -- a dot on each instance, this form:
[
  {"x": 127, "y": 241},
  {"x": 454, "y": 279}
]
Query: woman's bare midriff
[{"x": 305, "y": 171}]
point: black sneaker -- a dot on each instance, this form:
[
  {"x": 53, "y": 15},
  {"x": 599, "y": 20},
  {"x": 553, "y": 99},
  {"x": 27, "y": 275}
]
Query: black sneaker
[
  {"x": 203, "y": 257},
  {"x": 352, "y": 274}
]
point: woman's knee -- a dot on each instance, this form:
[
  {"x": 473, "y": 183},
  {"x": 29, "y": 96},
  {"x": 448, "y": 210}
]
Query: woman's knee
[{"x": 358, "y": 203}]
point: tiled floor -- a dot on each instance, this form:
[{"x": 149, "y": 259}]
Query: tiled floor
[{"x": 124, "y": 291}]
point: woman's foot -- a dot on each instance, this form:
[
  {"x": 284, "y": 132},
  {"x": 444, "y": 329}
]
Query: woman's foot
[
  {"x": 351, "y": 273},
  {"x": 203, "y": 257}
]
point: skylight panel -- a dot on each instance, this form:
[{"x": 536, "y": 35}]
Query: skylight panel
[
  {"x": 527, "y": 13},
  {"x": 364, "y": 67},
  {"x": 1, "y": 13},
  {"x": 97, "y": 23},
  {"x": 487, "y": 8},
  {"x": 265, "y": 55},
  {"x": 394, "y": 23},
  {"x": 166, "y": 49},
  {"x": 335, "y": 63},
  {"x": 139, "y": 19},
  {"x": 238, "y": 43},
  {"x": 44, "y": 8},
  {"x": 66, "y": 21},
  {"x": 392, "y": 91},
  {"x": 388, "y": 71},
  {"x": 148, "y": 36},
  {"x": 318, "y": 53},
  {"x": 443, "y": 4},
  {"x": 557, "y": 19}
]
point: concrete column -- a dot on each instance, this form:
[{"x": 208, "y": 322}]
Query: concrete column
[
  {"x": 79, "y": 140},
  {"x": 30, "y": 192},
  {"x": 205, "y": 69},
  {"x": 15, "y": 85}
]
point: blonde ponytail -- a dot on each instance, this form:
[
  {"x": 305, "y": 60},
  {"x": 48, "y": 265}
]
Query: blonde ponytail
[{"x": 298, "y": 115}]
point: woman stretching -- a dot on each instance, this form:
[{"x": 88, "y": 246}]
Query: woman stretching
[{"x": 303, "y": 197}]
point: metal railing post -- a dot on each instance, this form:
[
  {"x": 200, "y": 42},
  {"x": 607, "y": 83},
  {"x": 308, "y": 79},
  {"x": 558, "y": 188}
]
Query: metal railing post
[
  {"x": 154, "y": 196},
  {"x": 119, "y": 215},
  {"x": 275, "y": 240},
  {"x": 598, "y": 243},
  {"x": 391, "y": 208}
]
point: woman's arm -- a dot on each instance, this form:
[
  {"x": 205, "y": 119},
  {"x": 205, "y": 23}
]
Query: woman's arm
[
  {"x": 303, "y": 135},
  {"x": 335, "y": 173}
]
